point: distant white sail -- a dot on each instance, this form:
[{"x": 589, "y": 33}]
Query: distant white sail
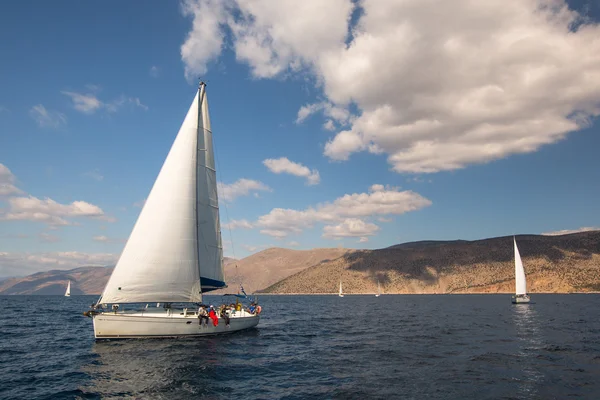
[
  {"x": 341, "y": 293},
  {"x": 68, "y": 292},
  {"x": 520, "y": 283},
  {"x": 175, "y": 235}
]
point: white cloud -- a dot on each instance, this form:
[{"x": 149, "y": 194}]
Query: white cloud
[
  {"x": 86, "y": 103},
  {"x": 329, "y": 125},
  {"x": 101, "y": 238},
  {"x": 19, "y": 264},
  {"x": 436, "y": 85},
  {"x": 306, "y": 111},
  {"x": 351, "y": 227},
  {"x": 7, "y": 180},
  {"x": 95, "y": 175},
  {"x": 383, "y": 219},
  {"x": 122, "y": 101},
  {"x": 238, "y": 224},
  {"x": 384, "y": 201},
  {"x": 241, "y": 187},
  {"x": 204, "y": 42},
  {"x": 363, "y": 239},
  {"x": 276, "y": 233},
  {"x": 335, "y": 113},
  {"x": 283, "y": 165},
  {"x": 89, "y": 103},
  {"x": 48, "y": 238},
  {"x": 154, "y": 71},
  {"x": 46, "y": 118},
  {"x": 50, "y": 212},
  {"x": 250, "y": 248},
  {"x": 568, "y": 231}
]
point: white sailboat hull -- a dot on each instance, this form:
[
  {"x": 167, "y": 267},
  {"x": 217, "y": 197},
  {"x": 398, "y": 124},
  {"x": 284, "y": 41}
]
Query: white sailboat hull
[
  {"x": 108, "y": 325},
  {"x": 520, "y": 300}
]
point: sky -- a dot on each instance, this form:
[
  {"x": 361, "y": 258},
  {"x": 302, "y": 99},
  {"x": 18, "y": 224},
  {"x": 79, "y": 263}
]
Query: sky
[{"x": 357, "y": 124}]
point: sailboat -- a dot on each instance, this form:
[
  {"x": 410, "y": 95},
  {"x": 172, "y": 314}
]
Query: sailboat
[
  {"x": 174, "y": 253},
  {"x": 520, "y": 282},
  {"x": 378, "y": 290},
  {"x": 341, "y": 293},
  {"x": 68, "y": 292}
]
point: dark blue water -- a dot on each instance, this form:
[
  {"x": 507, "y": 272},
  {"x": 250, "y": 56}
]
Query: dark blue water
[{"x": 356, "y": 347}]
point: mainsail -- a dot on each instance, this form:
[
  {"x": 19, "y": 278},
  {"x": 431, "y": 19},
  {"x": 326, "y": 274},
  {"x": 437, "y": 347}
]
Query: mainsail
[
  {"x": 68, "y": 292},
  {"x": 520, "y": 283},
  {"x": 176, "y": 241}
]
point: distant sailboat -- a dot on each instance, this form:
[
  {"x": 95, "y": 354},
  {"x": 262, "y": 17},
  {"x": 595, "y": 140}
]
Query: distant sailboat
[
  {"x": 68, "y": 292},
  {"x": 174, "y": 253},
  {"x": 378, "y": 290},
  {"x": 341, "y": 293},
  {"x": 520, "y": 282}
]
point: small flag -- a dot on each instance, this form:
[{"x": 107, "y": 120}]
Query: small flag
[{"x": 242, "y": 289}]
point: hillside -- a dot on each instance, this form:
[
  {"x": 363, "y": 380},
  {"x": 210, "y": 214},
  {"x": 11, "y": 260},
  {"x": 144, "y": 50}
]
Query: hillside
[
  {"x": 255, "y": 272},
  {"x": 265, "y": 268},
  {"x": 557, "y": 264},
  {"x": 84, "y": 280}
]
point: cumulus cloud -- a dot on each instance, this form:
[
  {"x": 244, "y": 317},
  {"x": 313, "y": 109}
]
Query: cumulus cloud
[
  {"x": 89, "y": 103},
  {"x": 363, "y": 239},
  {"x": 46, "y": 118},
  {"x": 238, "y": 224},
  {"x": 436, "y": 85},
  {"x": 50, "y": 212},
  {"x": 241, "y": 187},
  {"x": 284, "y": 165},
  {"x": 568, "y": 231},
  {"x": 205, "y": 40},
  {"x": 351, "y": 227},
  {"x": 19, "y": 264},
  {"x": 7, "y": 182},
  {"x": 383, "y": 201}
]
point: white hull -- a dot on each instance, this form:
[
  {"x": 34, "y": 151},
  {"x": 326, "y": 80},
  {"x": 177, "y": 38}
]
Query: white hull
[
  {"x": 521, "y": 300},
  {"x": 108, "y": 325}
]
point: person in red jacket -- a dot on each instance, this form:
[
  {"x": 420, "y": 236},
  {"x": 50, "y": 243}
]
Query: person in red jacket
[{"x": 213, "y": 315}]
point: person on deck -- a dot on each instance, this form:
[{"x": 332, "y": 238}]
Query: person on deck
[
  {"x": 213, "y": 315},
  {"x": 202, "y": 316},
  {"x": 223, "y": 313}
]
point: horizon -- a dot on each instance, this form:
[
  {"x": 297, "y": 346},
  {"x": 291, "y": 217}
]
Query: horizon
[{"x": 373, "y": 127}]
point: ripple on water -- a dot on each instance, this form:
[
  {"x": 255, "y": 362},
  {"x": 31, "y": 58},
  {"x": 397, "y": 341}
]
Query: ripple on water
[{"x": 433, "y": 347}]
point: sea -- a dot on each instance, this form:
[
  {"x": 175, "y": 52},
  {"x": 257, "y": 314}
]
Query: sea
[{"x": 316, "y": 347}]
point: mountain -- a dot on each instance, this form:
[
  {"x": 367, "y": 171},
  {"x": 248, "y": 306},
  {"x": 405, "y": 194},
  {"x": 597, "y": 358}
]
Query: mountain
[
  {"x": 84, "y": 280},
  {"x": 555, "y": 264},
  {"x": 264, "y": 268}
]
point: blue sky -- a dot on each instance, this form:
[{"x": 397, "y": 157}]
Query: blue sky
[{"x": 472, "y": 123}]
